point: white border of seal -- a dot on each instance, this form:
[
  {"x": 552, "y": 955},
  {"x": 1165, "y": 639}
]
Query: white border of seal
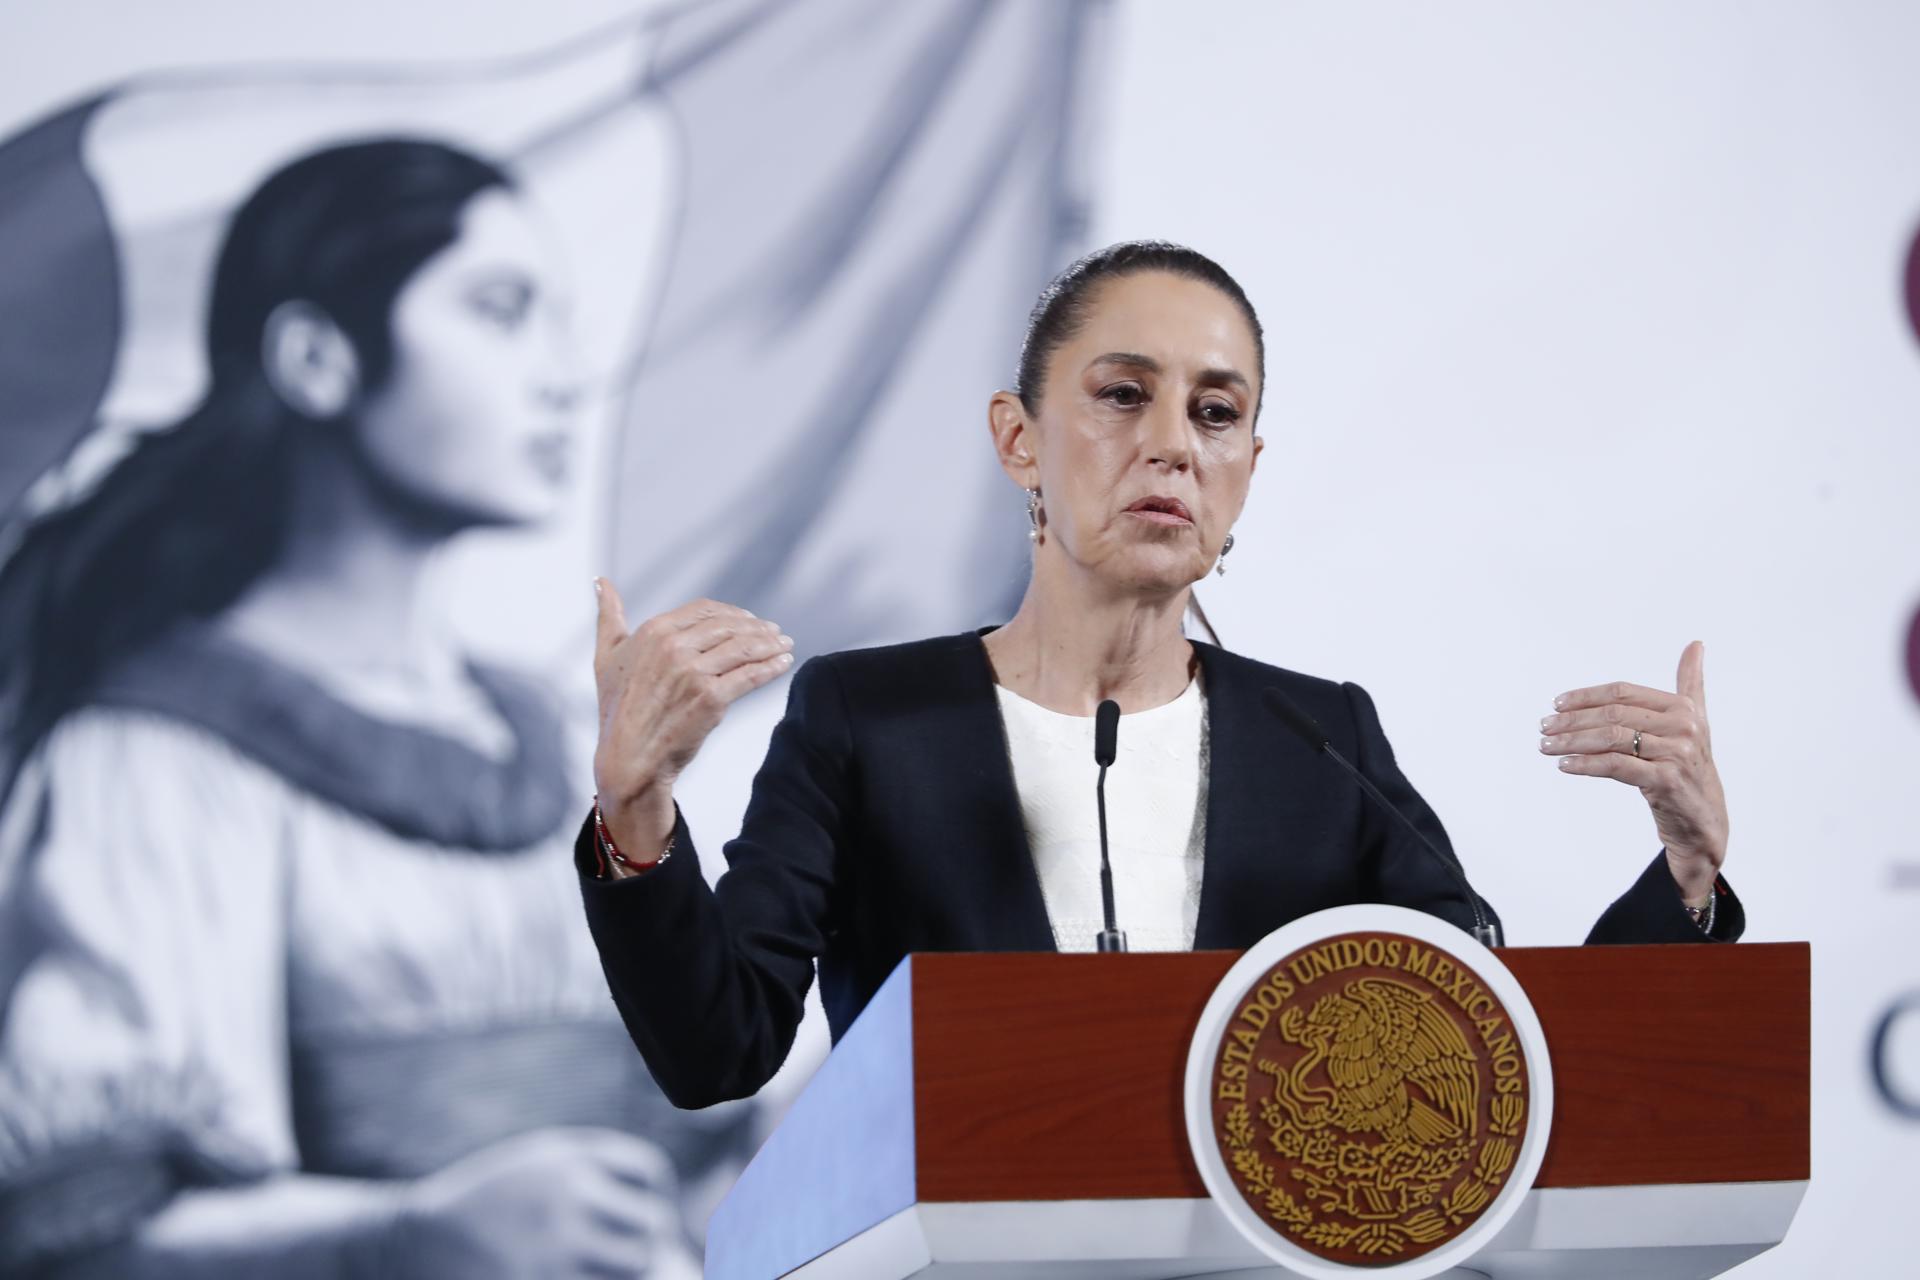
[{"x": 1204, "y": 1048}]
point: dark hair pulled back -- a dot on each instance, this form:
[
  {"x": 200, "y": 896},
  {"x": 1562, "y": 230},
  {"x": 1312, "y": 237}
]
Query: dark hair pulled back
[{"x": 1065, "y": 303}]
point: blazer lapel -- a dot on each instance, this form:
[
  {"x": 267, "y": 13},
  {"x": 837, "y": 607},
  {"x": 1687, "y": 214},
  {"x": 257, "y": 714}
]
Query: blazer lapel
[
  {"x": 1237, "y": 827},
  {"x": 1013, "y": 911}
]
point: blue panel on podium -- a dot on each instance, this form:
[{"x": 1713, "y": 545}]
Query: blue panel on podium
[{"x": 851, "y": 1130}]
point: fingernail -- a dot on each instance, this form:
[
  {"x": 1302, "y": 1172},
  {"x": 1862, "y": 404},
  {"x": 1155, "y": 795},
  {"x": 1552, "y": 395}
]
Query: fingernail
[
  {"x": 1560, "y": 703},
  {"x": 1545, "y": 743},
  {"x": 786, "y": 641},
  {"x": 786, "y": 659},
  {"x": 1566, "y": 762},
  {"x": 1546, "y": 723},
  {"x": 597, "y": 588}
]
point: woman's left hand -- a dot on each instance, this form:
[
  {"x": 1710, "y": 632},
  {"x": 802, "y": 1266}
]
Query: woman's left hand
[{"x": 1656, "y": 741}]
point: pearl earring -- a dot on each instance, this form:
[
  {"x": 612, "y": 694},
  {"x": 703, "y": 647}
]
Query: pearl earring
[
  {"x": 1033, "y": 515},
  {"x": 1220, "y": 565}
]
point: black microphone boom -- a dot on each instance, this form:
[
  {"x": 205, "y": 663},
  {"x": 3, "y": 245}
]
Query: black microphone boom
[
  {"x": 1485, "y": 929},
  {"x": 1106, "y": 735}
]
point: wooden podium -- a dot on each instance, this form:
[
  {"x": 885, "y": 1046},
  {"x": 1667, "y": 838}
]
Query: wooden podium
[{"x": 1020, "y": 1115}]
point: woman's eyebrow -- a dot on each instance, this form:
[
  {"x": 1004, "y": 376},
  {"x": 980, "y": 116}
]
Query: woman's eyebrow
[
  {"x": 1224, "y": 378},
  {"x": 1131, "y": 359},
  {"x": 1208, "y": 377}
]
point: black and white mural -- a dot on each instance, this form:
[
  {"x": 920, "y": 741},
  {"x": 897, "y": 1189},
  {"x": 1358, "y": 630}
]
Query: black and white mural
[{"x": 324, "y": 390}]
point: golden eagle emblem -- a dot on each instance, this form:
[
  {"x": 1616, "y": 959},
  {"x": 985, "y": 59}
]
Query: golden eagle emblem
[{"x": 1357, "y": 1112}]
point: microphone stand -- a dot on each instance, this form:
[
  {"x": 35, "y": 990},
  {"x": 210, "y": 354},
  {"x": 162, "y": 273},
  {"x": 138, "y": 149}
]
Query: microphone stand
[
  {"x": 1486, "y": 929},
  {"x": 1106, "y": 728}
]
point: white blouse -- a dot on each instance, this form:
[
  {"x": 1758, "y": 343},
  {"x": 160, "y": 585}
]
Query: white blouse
[{"x": 1156, "y": 818}]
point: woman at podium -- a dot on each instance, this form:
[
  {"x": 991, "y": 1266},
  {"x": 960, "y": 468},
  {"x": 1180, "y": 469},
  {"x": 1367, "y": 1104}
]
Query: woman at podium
[{"x": 938, "y": 795}]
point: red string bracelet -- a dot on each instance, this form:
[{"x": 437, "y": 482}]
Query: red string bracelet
[{"x": 605, "y": 849}]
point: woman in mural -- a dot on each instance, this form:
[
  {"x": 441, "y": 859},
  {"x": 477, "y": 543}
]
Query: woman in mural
[{"x": 296, "y": 978}]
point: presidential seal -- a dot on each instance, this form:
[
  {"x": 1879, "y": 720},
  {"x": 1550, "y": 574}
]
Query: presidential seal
[{"x": 1367, "y": 1090}]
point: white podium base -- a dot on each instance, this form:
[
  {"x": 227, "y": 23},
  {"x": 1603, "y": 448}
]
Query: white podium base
[{"x": 1597, "y": 1233}]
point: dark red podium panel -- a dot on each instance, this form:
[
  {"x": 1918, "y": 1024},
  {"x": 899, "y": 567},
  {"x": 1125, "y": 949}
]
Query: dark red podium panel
[{"x": 1058, "y": 1077}]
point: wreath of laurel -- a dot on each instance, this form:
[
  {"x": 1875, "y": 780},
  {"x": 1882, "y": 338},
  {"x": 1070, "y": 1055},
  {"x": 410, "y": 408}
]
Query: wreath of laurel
[{"x": 1262, "y": 1183}]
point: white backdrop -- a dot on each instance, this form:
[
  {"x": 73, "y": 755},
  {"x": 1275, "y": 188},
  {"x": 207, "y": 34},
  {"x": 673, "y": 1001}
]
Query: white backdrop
[{"x": 1585, "y": 339}]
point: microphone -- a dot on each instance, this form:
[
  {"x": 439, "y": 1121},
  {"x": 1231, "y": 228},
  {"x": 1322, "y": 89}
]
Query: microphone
[
  {"x": 1106, "y": 744},
  {"x": 1485, "y": 931}
]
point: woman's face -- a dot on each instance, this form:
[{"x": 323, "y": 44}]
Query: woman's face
[
  {"x": 1143, "y": 444},
  {"x": 475, "y": 421}
]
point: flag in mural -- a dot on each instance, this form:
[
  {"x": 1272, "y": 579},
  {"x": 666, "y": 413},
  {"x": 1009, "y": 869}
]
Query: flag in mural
[
  {"x": 323, "y": 392},
  {"x": 858, "y": 252}
]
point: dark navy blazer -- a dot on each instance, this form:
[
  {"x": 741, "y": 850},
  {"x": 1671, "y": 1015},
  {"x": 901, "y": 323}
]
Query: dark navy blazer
[{"x": 885, "y": 820}]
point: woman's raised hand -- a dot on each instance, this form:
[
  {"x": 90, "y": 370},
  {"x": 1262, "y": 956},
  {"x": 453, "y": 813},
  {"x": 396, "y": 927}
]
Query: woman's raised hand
[
  {"x": 1656, "y": 741},
  {"x": 663, "y": 687}
]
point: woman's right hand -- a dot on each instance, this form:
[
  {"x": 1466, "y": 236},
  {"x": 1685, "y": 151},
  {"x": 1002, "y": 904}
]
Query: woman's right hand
[
  {"x": 663, "y": 687},
  {"x": 552, "y": 1202}
]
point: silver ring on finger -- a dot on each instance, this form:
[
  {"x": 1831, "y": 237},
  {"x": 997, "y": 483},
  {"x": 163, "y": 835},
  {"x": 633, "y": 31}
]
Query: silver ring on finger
[{"x": 1636, "y": 744}]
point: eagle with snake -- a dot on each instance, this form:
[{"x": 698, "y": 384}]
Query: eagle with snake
[{"x": 1396, "y": 1069}]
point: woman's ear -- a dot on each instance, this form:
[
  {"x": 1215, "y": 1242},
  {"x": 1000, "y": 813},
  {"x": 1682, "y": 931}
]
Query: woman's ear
[
  {"x": 1013, "y": 439},
  {"x": 309, "y": 362}
]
